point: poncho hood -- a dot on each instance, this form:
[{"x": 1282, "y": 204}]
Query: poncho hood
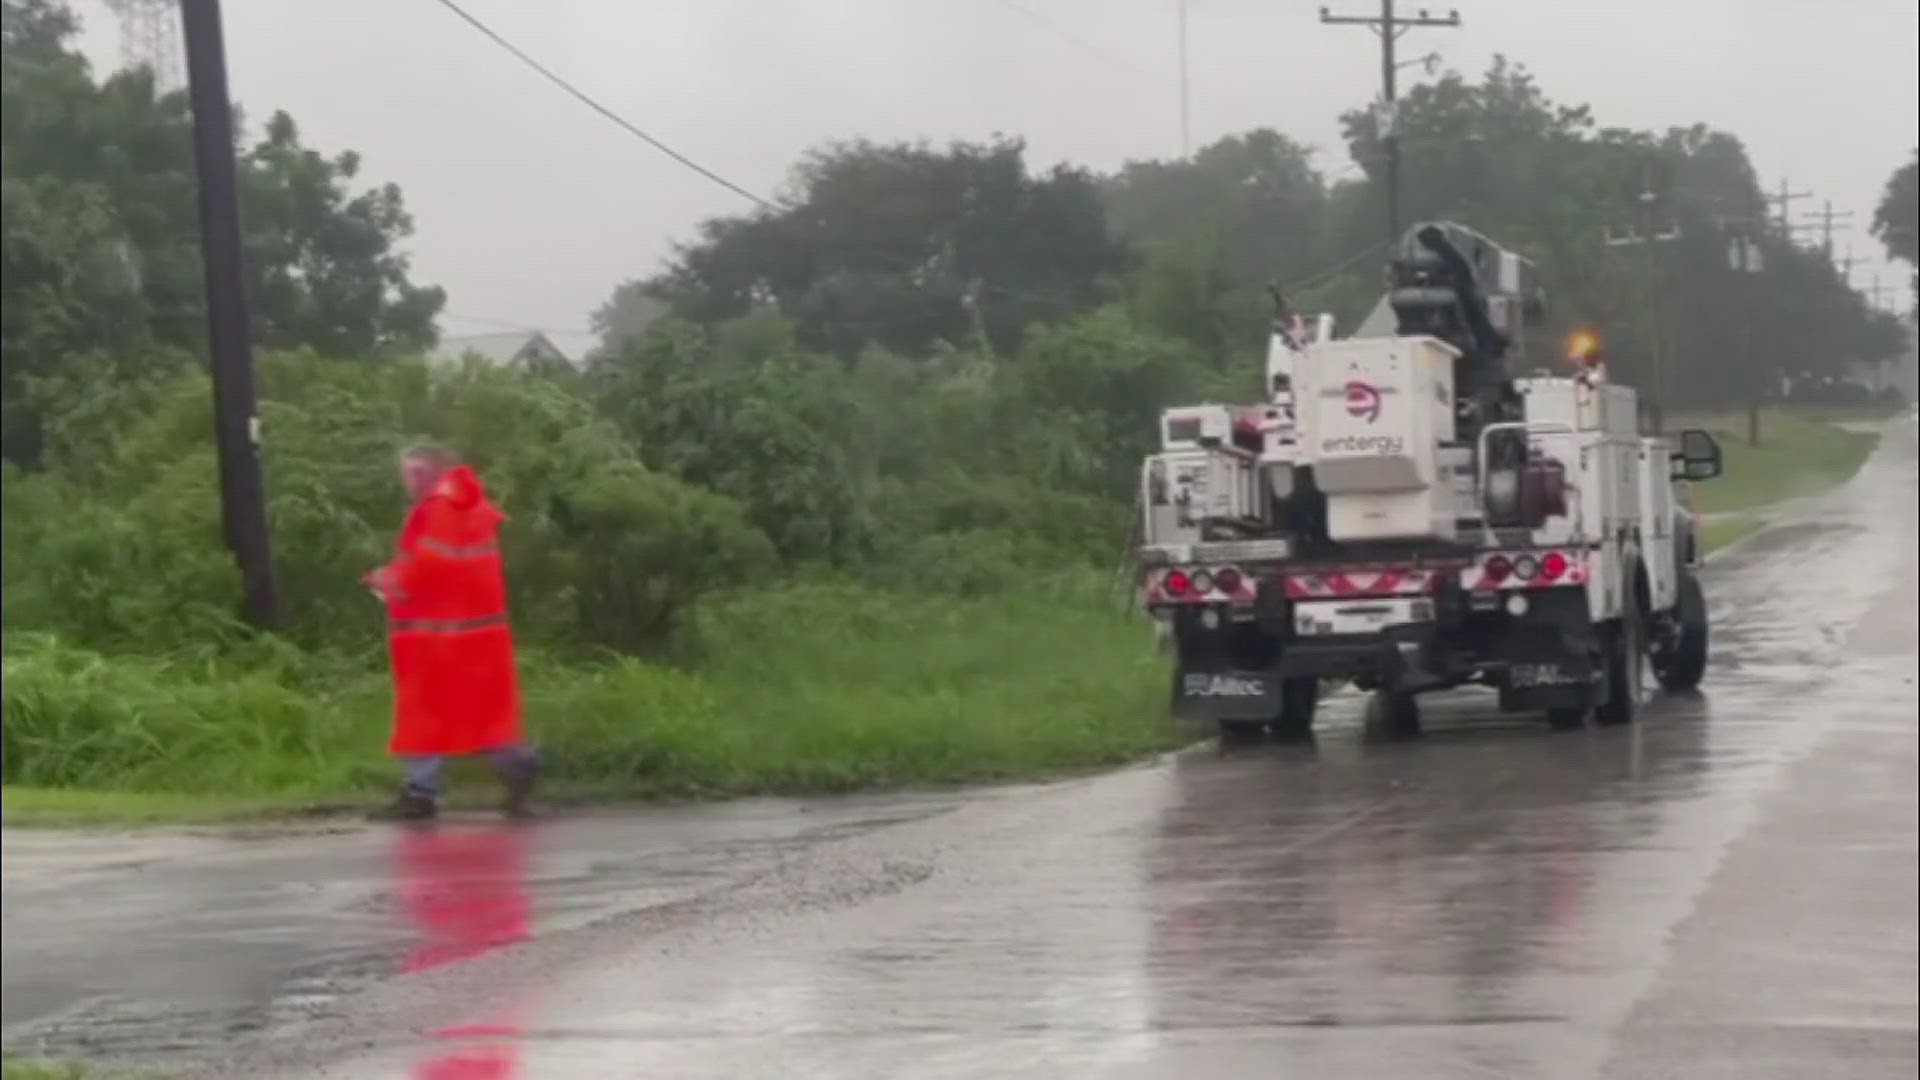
[{"x": 463, "y": 491}]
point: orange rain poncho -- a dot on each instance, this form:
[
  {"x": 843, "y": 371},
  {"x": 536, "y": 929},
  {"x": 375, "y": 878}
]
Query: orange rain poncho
[{"x": 454, "y": 686}]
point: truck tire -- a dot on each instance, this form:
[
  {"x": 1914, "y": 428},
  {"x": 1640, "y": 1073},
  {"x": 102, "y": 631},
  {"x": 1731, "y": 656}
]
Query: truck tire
[
  {"x": 1626, "y": 655},
  {"x": 1299, "y": 700},
  {"x": 1392, "y": 717},
  {"x": 1683, "y": 663}
]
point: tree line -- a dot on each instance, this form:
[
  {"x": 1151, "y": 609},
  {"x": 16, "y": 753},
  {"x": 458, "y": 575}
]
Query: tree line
[{"x": 926, "y": 368}]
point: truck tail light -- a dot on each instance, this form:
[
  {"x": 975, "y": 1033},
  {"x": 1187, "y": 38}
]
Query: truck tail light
[
  {"x": 1497, "y": 569},
  {"x": 1228, "y": 581},
  {"x": 1202, "y": 582},
  {"x": 1177, "y": 583},
  {"x": 1553, "y": 566},
  {"x": 1526, "y": 567}
]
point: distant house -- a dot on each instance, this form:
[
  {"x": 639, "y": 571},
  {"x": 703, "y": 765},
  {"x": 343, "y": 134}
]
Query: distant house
[
  {"x": 1899, "y": 373},
  {"x": 526, "y": 350},
  {"x": 1875, "y": 377}
]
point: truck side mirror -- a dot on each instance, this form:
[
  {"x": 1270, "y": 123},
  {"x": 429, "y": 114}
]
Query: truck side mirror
[{"x": 1698, "y": 457}]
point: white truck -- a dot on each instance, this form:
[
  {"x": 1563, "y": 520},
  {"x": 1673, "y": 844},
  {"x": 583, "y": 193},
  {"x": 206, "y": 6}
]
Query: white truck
[{"x": 1403, "y": 514}]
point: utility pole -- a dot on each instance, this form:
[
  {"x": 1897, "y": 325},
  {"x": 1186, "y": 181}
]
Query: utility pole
[
  {"x": 1824, "y": 219},
  {"x": 1844, "y": 266},
  {"x": 1876, "y": 294},
  {"x": 1785, "y": 201},
  {"x": 1649, "y": 235},
  {"x": 1389, "y": 27},
  {"x": 1186, "y": 114},
  {"x": 1744, "y": 258},
  {"x": 243, "y": 509}
]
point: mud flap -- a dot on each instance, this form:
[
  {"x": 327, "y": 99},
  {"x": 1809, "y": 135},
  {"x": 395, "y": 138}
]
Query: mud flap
[
  {"x": 1563, "y": 682},
  {"x": 1226, "y": 695}
]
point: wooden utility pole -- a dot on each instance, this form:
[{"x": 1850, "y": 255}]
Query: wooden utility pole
[
  {"x": 1186, "y": 113},
  {"x": 236, "y": 421},
  {"x": 1824, "y": 220},
  {"x": 1785, "y": 200},
  {"x": 1648, "y": 235},
  {"x": 1744, "y": 258},
  {"x": 1389, "y": 27},
  {"x": 1878, "y": 295}
]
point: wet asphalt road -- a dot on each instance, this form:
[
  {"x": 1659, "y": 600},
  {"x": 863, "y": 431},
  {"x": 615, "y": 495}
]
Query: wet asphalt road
[{"x": 1726, "y": 889}]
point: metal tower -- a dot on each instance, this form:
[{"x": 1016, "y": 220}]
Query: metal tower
[{"x": 150, "y": 37}]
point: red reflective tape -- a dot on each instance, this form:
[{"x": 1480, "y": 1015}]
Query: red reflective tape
[
  {"x": 459, "y": 551},
  {"x": 447, "y": 626}
]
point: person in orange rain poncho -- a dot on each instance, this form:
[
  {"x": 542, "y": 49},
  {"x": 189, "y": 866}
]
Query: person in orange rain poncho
[{"x": 455, "y": 691}]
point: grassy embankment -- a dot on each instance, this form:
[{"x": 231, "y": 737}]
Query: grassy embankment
[
  {"x": 812, "y": 688},
  {"x": 29, "y": 1069},
  {"x": 35, "y": 1069},
  {"x": 1798, "y": 455},
  {"x": 26, "y": 1068}
]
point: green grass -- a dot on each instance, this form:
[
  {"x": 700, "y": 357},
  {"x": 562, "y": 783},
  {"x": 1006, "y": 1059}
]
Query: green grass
[
  {"x": 809, "y": 688},
  {"x": 23, "y": 1068},
  {"x": 804, "y": 688},
  {"x": 28, "y": 1069},
  {"x": 1721, "y": 532},
  {"x": 1796, "y": 456},
  {"x": 1800, "y": 453},
  {"x": 80, "y": 807}
]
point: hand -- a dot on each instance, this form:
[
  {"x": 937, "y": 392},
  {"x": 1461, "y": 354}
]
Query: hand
[{"x": 380, "y": 580}]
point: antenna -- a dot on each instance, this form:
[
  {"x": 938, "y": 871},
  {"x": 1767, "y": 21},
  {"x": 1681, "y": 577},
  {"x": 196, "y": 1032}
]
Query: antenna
[{"x": 150, "y": 38}]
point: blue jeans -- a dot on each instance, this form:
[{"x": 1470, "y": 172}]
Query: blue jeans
[{"x": 423, "y": 770}]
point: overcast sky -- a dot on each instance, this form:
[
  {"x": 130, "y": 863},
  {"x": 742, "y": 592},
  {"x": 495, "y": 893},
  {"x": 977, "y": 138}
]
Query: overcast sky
[{"x": 530, "y": 208}]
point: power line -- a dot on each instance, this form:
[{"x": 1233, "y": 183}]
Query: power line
[
  {"x": 509, "y": 324},
  {"x": 595, "y": 105},
  {"x": 764, "y": 203},
  {"x": 1337, "y": 268},
  {"x": 1069, "y": 36}
]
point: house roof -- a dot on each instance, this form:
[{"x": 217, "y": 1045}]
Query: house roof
[{"x": 499, "y": 348}]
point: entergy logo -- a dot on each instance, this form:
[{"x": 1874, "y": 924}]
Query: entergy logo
[{"x": 1363, "y": 400}]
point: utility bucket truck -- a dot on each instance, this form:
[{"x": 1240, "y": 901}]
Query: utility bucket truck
[{"x": 1403, "y": 514}]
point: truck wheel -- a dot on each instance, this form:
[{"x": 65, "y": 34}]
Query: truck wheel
[
  {"x": 1299, "y": 700},
  {"x": 1392, "y": 716},
  {"x": 1625, "y": 657},
  {"x": 1241, "y": 732},
  {"x": 1683, "y": 663}
]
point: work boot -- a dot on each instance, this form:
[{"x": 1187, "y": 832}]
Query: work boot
[
  {"x": 407, "y": 806},
  {"x": 521, "y": 780}
]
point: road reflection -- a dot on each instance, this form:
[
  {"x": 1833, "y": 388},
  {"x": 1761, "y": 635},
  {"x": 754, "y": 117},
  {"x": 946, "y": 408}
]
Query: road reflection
[
  {"x": 1446, "y": 885},
  {"x": 465, "y": 892}
]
